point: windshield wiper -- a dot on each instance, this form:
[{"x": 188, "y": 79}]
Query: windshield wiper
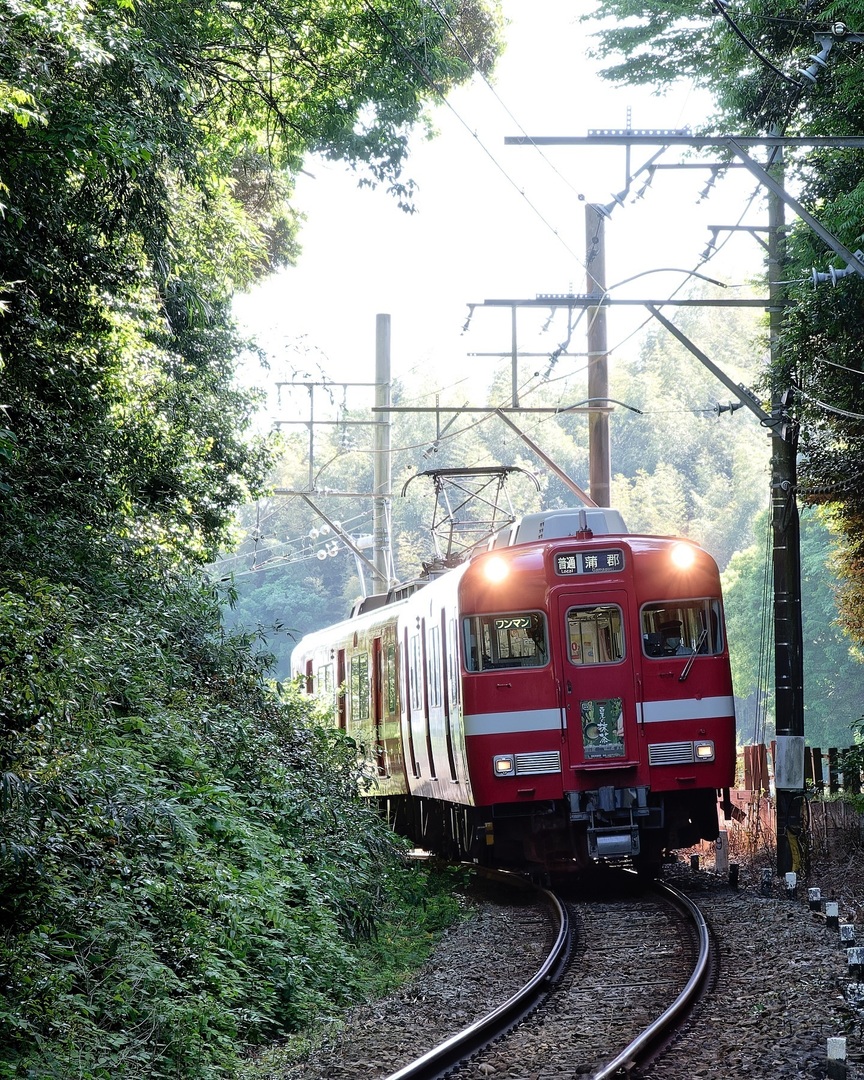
[{"x": 689, "y": 663}]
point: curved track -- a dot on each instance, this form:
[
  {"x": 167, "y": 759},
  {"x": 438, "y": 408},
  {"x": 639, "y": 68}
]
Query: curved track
[
  {"x": 438, "y": 1061},
  {"x": 659, "y": 1029},
  {"x": 588, "y": 1006}
]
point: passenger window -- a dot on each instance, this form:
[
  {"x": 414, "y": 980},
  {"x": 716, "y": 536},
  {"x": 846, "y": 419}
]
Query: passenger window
[
  {"x": 595, "y": 634},
  {"x": 360, "y": 687},
  {"x": 682, "y": 628},
  {"x": 505, "y": 641}
]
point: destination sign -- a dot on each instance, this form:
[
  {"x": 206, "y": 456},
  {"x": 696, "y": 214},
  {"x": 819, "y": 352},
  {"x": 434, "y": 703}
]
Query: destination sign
[{"x": 569, "y": 564}]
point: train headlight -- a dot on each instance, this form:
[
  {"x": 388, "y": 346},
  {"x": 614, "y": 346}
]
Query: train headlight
[
  {"x": 496, "y": 570},
  {"x": 504, "y": 765},
  {"x": 683, "y": 556},
  {"x": 704, "y": 751}
]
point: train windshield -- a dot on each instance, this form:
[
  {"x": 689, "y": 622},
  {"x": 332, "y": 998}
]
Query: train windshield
[
  {"x": 594, "y": 634},
  {"x": 682, "y": 628},
  {"x": 505, "y": 641}
]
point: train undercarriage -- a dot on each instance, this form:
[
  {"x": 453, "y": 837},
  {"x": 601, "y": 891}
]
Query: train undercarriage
[{"x": 629, "y": 826}]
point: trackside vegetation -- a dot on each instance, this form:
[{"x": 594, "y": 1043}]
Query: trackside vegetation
[{"x": 186, "y": 869}]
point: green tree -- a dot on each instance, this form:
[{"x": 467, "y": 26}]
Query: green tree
[
  {"x": 150, "y": 184},
  {"x": 833, "y": 672},
  {"x": 172, "y": 830},
  {"x": 751, "y": 62}
]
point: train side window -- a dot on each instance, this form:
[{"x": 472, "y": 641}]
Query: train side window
[
  {"x": 505, "y": 641},
  {"x": 682, "y": 627},
  {"x": 434, "y": 666},
  {"x": 453, "y": 663},
  {"x": 595, "y": 634},
  {"x": 324, "y": 679},
  {"x": 360, "y": 687},
  {"x": 390, "y": 678},
  {"x": 415, "y": 677}
]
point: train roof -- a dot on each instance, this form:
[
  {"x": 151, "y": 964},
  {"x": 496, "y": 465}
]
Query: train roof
[{"x": 558, "y": 524}]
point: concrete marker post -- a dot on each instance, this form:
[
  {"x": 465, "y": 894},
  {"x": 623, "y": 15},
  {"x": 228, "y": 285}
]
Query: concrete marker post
[
  {"x": 721, "y": 853},
  {"x": 847, "y": 935},
  {"x": 855, "y": 960},
  {"x": 832, "y": 914},
  {"x": 791, "y": 879},
  {"x": 767, "y": 876},
  {"x": 836, "y": 1054},
  {"x": 814, "y": 899}
]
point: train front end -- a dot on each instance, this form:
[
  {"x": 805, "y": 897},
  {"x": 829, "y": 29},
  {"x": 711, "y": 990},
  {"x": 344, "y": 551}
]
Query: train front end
[{"x": 597, "y": 698}]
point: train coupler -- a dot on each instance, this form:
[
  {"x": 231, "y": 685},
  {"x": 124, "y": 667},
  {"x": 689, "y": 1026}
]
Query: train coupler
[{"x": 613, "y": 843}]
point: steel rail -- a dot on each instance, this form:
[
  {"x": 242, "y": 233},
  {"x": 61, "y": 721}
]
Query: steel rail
[
  {"x": 684, "y": 1000},
  {"x": 437, "y": 1061}
]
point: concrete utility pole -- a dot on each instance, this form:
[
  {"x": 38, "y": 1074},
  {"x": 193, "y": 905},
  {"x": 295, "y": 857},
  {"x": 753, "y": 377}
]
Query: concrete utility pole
[
  {"x": 381, "y": 563},
  {"x": 382, "y": 483},
  {"x": 599, "y": 462},
  {"x": 788, "y": 633}
]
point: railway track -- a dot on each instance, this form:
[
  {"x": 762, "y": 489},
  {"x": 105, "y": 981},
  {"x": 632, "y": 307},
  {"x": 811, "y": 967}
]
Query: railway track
[{"x": 623, "y": 971}]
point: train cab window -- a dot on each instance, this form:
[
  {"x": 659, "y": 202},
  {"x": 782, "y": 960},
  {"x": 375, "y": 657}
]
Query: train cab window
[
  {"x": 682, "y": 628},
  {"x": 360, "y": 687},
  {"x": 505, "y": 641},
  {"x": 595, "y": 634}
]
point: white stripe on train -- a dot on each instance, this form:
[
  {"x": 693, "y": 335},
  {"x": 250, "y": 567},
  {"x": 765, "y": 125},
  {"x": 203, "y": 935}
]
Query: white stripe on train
[{"x": 650, "y": 712}]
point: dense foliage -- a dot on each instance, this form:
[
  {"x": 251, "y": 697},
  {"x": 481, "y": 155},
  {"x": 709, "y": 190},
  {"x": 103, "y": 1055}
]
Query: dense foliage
[
  {"x": 173, "y": 834},
  {"x": 148, "y": 154},
  {"x": 172, "y": 881},
  {"x": 833, "y": 673},
  {"x": 751, "y": 60}
]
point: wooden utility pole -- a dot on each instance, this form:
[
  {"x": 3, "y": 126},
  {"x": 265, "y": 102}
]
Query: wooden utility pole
[{"x": 599, "y": 464}]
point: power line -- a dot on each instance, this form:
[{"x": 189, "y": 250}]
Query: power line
[
  {"x": 720, "y": 7},
  {"x": 431, "y": 82},
  {"x": 831, "y": 408},
  {"x": 467, "y": 53}
]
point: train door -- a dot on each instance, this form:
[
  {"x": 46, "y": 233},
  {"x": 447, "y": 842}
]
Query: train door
[
  {"x": 341, "y": 706},
  {"x": 378, "y": 707},
  {"x": 598, "y": 687}
]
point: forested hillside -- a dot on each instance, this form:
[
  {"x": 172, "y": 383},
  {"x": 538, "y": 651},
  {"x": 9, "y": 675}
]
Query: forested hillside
[
  {"x": 753, "y": 63},
  {"x": 172, "y": 828},
  {"x": 682, "y": 463}
]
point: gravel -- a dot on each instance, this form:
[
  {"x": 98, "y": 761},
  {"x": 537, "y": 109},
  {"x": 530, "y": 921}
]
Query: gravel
[{"x": 782, "y": 989}]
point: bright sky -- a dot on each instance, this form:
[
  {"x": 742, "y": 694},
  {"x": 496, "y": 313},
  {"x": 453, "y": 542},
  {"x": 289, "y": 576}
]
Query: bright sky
[{"x": 484, "y": 228}]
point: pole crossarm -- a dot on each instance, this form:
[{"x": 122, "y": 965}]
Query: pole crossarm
[
  {"x": 323, "y": 493},
  {"x": 582, "y": 300},
  {"x": 555, "y": 409},
  {"x": 693, "y": 142},
  {"x": 741, "y": 392},
  {"x": 764, "y": 177}
]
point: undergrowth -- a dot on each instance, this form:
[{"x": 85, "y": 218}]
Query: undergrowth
[{"x": 174, "y": 838}]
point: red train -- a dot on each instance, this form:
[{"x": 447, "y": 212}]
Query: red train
[{"x": 560, "y": 697}]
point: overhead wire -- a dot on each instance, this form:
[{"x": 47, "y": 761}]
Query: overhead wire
[
  {"x": 424, "y": 74},
  {"x": 830, "y": 408},
  {"x": 720, "y": 7},
  {"x": 467, "y": 53}
]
